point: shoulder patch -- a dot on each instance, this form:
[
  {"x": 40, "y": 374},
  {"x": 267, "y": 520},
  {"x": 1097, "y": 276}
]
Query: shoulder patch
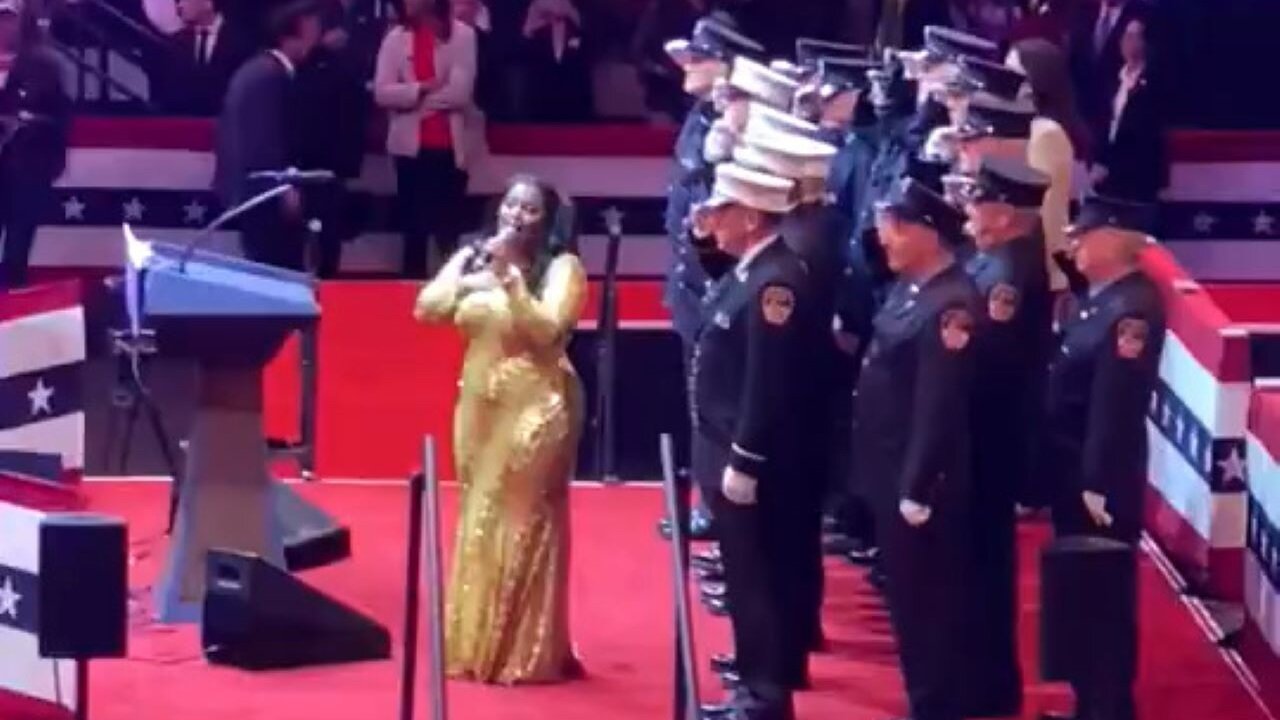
[
  {"x": 777, "y": 303},
  {"x": 1131, "y": 337},
  {"x": 956, "y": 327},
  {"x": 1002, "y": 302}
]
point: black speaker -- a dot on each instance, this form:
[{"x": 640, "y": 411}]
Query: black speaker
[
  {"x": 1089, "y": 610},
  {"x": 258, "y": 617},
  {"x": 84, "y": 586}
]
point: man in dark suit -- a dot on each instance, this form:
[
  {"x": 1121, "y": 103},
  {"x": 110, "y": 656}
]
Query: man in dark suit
[
  {"x": 34, "y": 116},
  {"x": 1100, "y": 386},
  {"x": 255, "y": 132},
  {"x": 913, "y": 442},
  {"x": 333, "y": 99},
  {"x": 206, "y": 52},
  {"x": 1096, "y": 59}
]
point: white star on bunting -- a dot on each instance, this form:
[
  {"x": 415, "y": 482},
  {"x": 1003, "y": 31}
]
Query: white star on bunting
[
  {"x": 133, "y": 209},
  {"x": 73, "y": 209},
  {"x": 1193, "y": 444},
  {"x": 1203, "y": 222},
  {"x": 194, "y": 212},
  {"x": 1166, "y": 414},
  {"x": 9, "y": 599},
  {"x": 39, "y": 397},
  {"x": 1232, "y": 466},
  {"x": 1263, "y": 224}
]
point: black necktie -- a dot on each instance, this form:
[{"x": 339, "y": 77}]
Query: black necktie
[{"x": 202, "y": 47}]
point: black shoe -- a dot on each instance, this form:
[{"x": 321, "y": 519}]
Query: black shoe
[
  {"x": 837, "y": 544},
  {"x": 877, "y": 578},
  {"x": 722, "y": 663},
  {"x": 700, "y": 526},
  {"x": 862, "y": 555},
  {"x": 737, "y": 697},
  {"x": 709, "y": 574},
  {"x": 716, "y": 606},
  {"x": 713, "y": 590},
  {"x": 706, "y": 558}
]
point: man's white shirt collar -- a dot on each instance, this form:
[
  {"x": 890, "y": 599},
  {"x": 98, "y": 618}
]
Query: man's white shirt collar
[
  {"x": 284, "y": 60},
  {"x": 744, "y": 262}
]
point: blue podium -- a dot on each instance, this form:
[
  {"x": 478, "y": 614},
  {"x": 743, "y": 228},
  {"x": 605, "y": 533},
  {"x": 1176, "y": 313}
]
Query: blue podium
[{"x": 231, "y": 317}]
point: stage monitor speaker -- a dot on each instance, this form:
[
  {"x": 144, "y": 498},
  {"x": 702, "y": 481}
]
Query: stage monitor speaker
[
  {"x": 84, "y": 586},
  {"x": 1088, "y": 619},
  {"x": 258, "y": 617},
  {"x": 312, "y": 538}
]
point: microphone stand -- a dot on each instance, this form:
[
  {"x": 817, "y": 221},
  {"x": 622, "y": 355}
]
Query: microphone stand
[
  {"x": 261, "y": 198},
  {"x": 606, "y": 352}
]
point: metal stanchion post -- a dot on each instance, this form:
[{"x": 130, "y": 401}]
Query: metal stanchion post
[
  {"x": 434, "y": 580},
  {"x": 409, "y": 664},
  {"x": 686, "y": 704}
]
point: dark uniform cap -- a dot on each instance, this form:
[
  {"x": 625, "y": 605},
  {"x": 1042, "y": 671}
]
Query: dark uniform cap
[
  {"x": 991, "y": 116},
  {"x": 1099, "y": 211},
  {"x": 1010, "y": 182},
  {"x": 979, "y": 74},
  {"x": 912, "y": 201},
  {"x": 840, "y": 74},
  {"x": 943, "y": 43},
  {"x": 713, "y": 36},
  {"x": 928, "y": 171},
  {"x": 810, "y": 50}
]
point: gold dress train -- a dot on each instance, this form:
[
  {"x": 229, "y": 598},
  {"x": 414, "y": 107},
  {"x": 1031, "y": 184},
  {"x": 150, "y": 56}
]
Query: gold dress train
[{"x": 516, "y": 429}]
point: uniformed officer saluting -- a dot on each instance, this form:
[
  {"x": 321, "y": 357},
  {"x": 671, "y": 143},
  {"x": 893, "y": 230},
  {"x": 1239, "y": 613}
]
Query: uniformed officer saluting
[
  {"x": 913, "y": 438},
  {"x": 1009, "y": 271},
  {"x": 813, "y": 231},
  {"x": 1100, "y": 385},
  {"x": 753, "y": 386},
  {"x": 705, "y": 57}
]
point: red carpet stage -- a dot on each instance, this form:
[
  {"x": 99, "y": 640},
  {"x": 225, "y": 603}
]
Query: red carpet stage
[{"x": 621, "y": 620}]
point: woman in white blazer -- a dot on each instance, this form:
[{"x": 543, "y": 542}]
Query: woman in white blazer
[
  {"x": 1058, "y": 137},
  {"x": 425, "y": 80}
]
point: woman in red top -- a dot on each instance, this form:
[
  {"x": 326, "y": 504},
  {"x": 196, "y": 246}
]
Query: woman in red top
[{"x": 425, "y": 79}]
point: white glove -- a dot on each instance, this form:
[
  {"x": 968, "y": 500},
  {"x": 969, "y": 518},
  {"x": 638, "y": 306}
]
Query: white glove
[
  {"x": 738, "y": 487},
  {"x": 914, "y": 513},
  {"x": 718, "y": 145},
  {"x": 1097, "y": 506}
]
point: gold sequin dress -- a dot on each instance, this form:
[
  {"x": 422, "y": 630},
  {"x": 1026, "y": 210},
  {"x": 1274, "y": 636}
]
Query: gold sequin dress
[{"x": 516, "y": 430}]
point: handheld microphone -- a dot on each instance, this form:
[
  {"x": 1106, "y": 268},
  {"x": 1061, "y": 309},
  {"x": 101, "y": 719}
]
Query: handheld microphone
[{"x": 294, "y": 176}]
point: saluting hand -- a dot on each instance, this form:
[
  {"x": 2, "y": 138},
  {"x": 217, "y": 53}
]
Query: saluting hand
[
  {"x": 738, "y": 487},
  {"x": 1096, "y": 504},
  {"x": 914, "y": 513}
]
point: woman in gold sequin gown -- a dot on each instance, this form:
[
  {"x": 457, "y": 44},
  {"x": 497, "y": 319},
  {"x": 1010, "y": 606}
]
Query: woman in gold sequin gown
[{"x": 516, "y": 298}]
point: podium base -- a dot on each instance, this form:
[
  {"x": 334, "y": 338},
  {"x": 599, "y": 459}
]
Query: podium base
[{"x": 230, "y": 502}]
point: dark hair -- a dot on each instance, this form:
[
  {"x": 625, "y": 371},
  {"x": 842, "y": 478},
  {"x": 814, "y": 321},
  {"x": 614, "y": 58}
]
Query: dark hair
[
  {"x": 286, "y": 20},
  {"x": 559, "y": 232},
  {"x": 1050, "y": 79}
]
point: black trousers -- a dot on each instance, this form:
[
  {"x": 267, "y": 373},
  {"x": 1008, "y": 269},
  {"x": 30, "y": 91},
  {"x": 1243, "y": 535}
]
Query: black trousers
[
  {"x": 268, "y": 237},
  {"x": 331, "y": 205},
  {"x": 924, "y": 568},
  {"x": 21, "y": 204},
  {"x": 756, "y": 577},
  {"x": 430, "y": 191},
  {"x": 995, "y": 678}
]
